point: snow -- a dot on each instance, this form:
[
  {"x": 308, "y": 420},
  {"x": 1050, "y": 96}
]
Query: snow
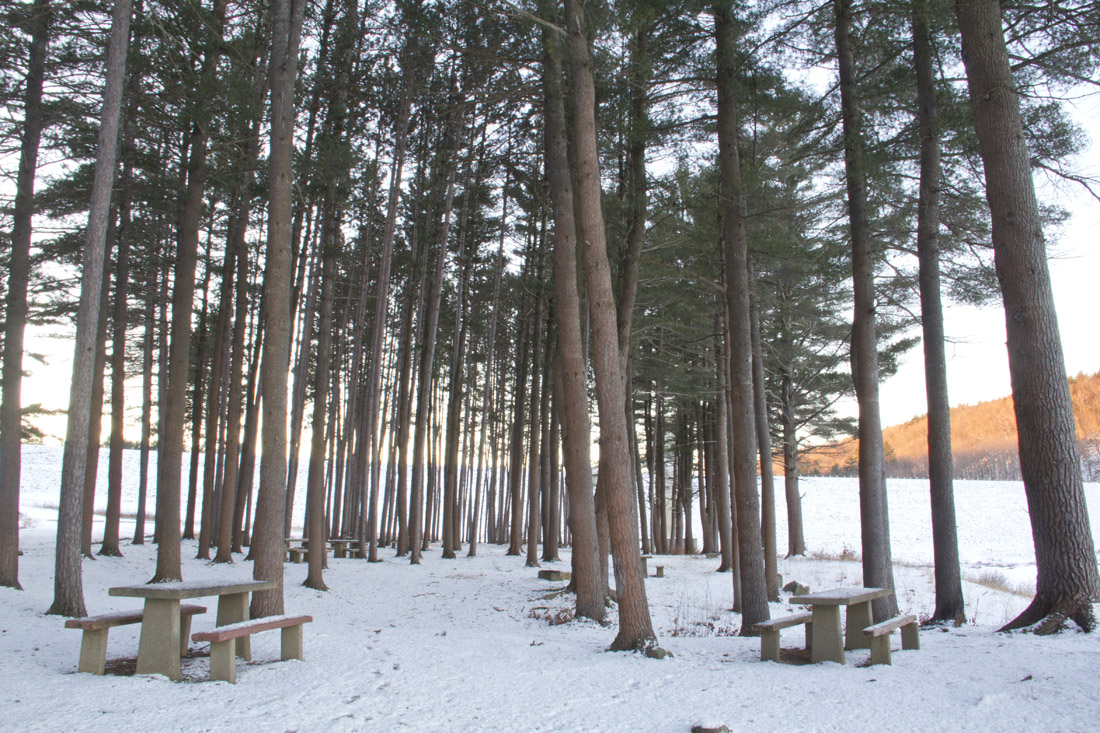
[{"x": 466, "y": 644}]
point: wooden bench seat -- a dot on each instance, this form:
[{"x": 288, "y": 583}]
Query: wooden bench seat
[
  {"x": 93, "y": 645},
  {"x": 880, "y": 637},
  {"x": 769, "y": 633},
  {"x": 223, "y": 652}
]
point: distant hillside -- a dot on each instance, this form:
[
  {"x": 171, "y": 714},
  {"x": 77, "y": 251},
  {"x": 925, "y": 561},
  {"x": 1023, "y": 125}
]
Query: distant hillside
[{"x": 983, "y": 438}]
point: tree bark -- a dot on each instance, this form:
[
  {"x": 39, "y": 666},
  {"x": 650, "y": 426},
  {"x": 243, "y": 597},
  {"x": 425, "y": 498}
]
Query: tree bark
[
  {"x": 490, "y": 358},
  {"x": 515, "y": 468},
  {"x": 427, "y": 358},
  {"x": 118, "y": 374},
  {"x": 315, "y": 487},
  {"x": 754, "y": 608},
  {"x": 68, "y": 582},
  {"x": 874, "y": 519},
  {"x": 147, "y": 344},
  {"x": 721, "y": 454},
  {"x": 796, "y": 543},
  {"x": 534, "y": 448},
  {"x": 95, "y": 420},
  {"x": 267, "y": 540},
  {"x": 183, "y": 293},
  {"x": 1067, "y": 582},
  {"x": 15, "y": 315},
  {"x": 945, "y": 542},
  {"x": 635, "y": 624},
  {"x": 764, "y": 442}
]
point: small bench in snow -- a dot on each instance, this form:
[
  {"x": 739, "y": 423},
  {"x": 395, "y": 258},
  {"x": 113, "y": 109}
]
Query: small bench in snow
[
  {"x": 880, "y": 637},
  {"x": 93, "y": 645},
  {"x": 223, "y": 654},
  {"x": 769, "y": 633},
  {"x": 546, "y": 574}
]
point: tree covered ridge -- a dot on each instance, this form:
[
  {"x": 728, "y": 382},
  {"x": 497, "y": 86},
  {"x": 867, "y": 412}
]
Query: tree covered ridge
[{"x": 983, "y": 438}]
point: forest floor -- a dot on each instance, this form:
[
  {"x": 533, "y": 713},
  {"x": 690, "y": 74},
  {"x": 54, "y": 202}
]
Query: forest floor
[{"x": 467, "y": 644}]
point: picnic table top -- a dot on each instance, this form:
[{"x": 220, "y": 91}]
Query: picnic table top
[
  {"x": 192, "y": 589},
  {"x": 841, "y": 596}
]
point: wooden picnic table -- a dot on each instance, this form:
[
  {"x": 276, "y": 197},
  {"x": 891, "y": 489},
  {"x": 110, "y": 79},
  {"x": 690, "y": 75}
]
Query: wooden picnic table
[
  {"x": 828, "y": 639},
  {"x": 159, "y": 647}
]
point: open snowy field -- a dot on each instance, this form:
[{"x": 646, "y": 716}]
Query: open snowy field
[{"x": 465, "y": 645}]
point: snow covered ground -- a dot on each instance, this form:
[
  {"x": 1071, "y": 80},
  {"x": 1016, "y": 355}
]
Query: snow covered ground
[{"x": 465, "y": 644}]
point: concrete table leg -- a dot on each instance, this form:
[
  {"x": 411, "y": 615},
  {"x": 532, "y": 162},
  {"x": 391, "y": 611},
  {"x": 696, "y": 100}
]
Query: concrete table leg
[
  {"x": 826, "y": 644},
  {"x": 859, "y": 618},
  {"x": 159, "y": 647},
  {"x": 232, "y": 609}
]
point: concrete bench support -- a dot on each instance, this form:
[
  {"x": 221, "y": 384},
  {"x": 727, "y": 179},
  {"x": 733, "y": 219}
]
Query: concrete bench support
[
  {"x": 93, "y": 644},
  {"x": 769, "y": 633},
  {"x": 224, "y": 639},
  {"x": 879, "y": 636}
]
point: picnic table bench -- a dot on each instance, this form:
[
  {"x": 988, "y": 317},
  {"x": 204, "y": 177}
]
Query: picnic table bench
[
  {"x": 224, "y": 639},
  {"x": 769, "y": 633},
  {"x": 880, "y": 636},
  {"x": 93, "y": 643}
]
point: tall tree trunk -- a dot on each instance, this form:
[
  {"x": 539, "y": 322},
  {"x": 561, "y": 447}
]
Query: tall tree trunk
[
  {"x": 735, "y": 246},
  {"x": 635, "y": 624},
  {"x": 147, "y": 344},
  {"x": 1067, "y": 583},
  {"x": 299, "y": 376},
  {"x": 764, "y": 441},
  {"x": 183, "y": 293},
  {"x": 796, "y": 543},
  {"x": 226, "y": 523},
  {"x": 68, "y": 597},
  {"x": 490, "y": 357},
  {"x": 118, "y": 371},
  {"x": 267, "y": 540},
  {"x": 243, "y": 505},
  {"x": 878, "y": 569},
  {"x": 721, "y": 454},
  {"x": 199, "y": 418},
  {"x": 731, "y": 459},
  {"x": 95, "y": 420},
  {"x": 378, "y": 323},
  {"x": 534, "y": 452},
  {"x": 15, "y": 314},
  {"x": 427, "y": 357},
  {"x": 551, "y": 535},
  {"x": 456, "y": 397},
  {"x": 945, "y": 541},
  {"x": 315, "y": 488},
  {"x": 515, "y": 468},
  {"x": 231, "y": 490}
]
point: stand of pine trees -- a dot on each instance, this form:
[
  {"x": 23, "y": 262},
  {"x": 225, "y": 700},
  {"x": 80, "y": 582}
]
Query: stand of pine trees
[{"x": 432, "y": 250}]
